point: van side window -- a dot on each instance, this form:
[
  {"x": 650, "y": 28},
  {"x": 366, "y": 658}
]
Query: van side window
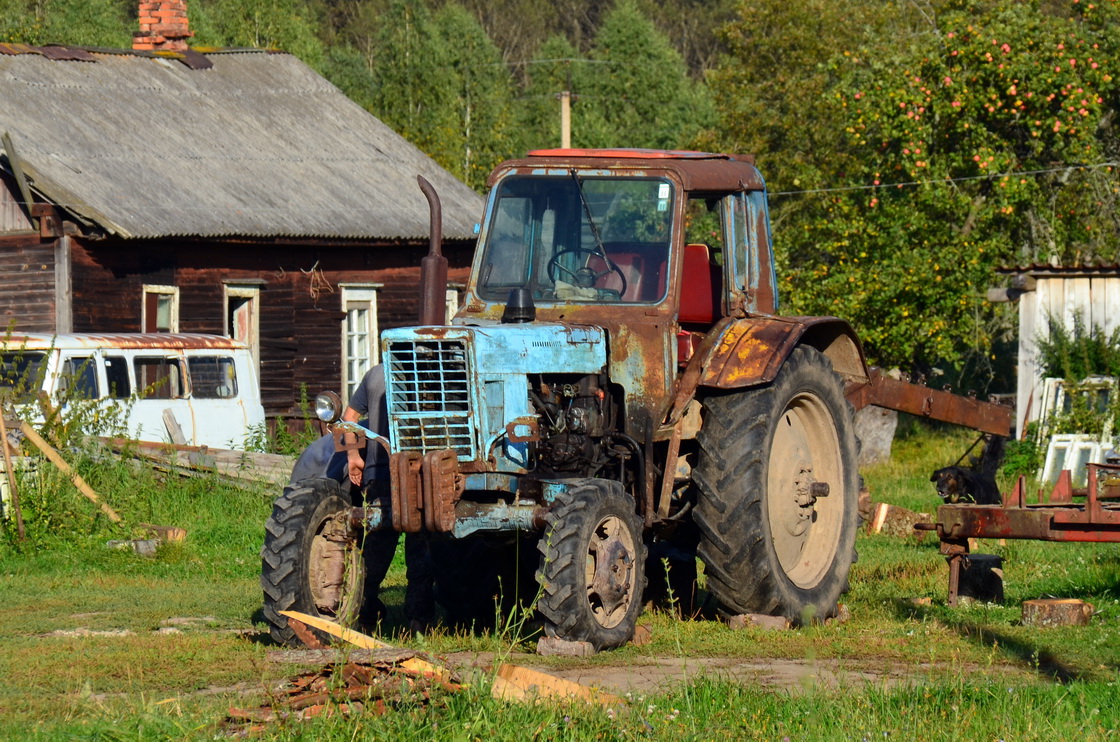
[
  {"x": 159, "y": 378},
  {"x": 22, "y": 372},
  {"x": 212, "y": 377},
  {"x": 116, "y": 373},
  {"x": 79, "y": 378}
]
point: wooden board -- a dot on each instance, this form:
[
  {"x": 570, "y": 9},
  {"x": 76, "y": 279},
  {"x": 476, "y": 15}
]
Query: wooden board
[
  {"x": 364, "y": 641},
  {"x": 514, "y": 683}
]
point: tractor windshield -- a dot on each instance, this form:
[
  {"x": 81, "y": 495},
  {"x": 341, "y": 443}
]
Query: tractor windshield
[{"x": 571, "y": 238}]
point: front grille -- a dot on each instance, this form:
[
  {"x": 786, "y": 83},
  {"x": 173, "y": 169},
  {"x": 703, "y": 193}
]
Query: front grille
[{"x": 430, "y": 402}]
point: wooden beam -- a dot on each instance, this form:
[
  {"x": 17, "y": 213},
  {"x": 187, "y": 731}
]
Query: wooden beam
[
  {"x": 16, "y": 163},
  {"x": 66, "y": 469}
]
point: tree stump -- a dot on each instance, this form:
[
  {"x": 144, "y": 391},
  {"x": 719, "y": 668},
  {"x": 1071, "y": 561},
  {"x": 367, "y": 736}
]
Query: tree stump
[
  {"x": 875, "y": 427},
  {"x": 1056, "y": 612}
]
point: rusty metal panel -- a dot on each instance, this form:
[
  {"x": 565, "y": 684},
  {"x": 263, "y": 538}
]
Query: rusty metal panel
[
  {"x": 697, "y": 171},
  {"x": 123, "y": 341},
  {"x": 883, "y": 391},
  {"x": 443, "y": 485},
  {"x": 13, "y": 49},
  {"x": 751, "y": 352},
  {"x": 407, "y": 492},
  {"x": 60, "y": 53}
]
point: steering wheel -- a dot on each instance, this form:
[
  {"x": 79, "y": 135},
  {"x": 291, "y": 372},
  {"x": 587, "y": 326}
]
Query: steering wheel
[{"x": 585, "y": 277}]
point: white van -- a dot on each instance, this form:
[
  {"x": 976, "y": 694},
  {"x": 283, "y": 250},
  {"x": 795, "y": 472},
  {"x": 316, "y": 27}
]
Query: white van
[{"x": 202, "y": 385}]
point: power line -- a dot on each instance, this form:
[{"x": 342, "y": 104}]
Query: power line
[{"x": 908, "y": 183}]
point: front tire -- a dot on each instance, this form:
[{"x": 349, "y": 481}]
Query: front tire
[
  {"x": 592, "y": 571},
  {"x": 778, "y": 505},
  {"x": 312, "y": 559}
]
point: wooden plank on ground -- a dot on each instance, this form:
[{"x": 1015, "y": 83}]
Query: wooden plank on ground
[
  {"x": 515, "y": 683},
  {"x": 236, "y": 466},
  {"x": 365, "y": 641}
]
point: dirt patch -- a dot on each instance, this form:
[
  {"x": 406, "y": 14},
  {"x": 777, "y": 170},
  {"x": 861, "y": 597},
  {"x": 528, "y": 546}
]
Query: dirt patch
[
  {"x": 658, "y": 674},
  {"x": 82, "y": 631}
]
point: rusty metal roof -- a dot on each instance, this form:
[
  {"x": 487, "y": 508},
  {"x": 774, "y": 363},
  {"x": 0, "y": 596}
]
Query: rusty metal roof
[
  {"x": 124, "y": 340},
  {"x": 699, "y": 171},
  {"x": 149, "y": 145}
]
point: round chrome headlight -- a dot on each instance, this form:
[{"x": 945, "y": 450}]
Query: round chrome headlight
[{"x": 328, "y": 407}]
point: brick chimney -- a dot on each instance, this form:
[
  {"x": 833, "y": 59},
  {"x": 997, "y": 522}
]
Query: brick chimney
[{"x": 163, "y": 26}]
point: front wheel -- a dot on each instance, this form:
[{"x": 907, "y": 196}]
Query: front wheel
[
  {"x": 311, "y": 561},
  {"x": 778, "y": 505},
  {"x": 592, "y": 571}
]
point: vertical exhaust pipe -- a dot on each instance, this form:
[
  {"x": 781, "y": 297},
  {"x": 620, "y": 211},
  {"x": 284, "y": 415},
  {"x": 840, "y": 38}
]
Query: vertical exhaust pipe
[{"x": 433, "y": 268}]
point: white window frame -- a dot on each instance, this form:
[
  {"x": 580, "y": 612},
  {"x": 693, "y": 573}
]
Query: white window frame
[
  {"x": 252, "y": 292},
  {"x": 355, "y": 296},
  {"x": 152, "y": 288},
  {"x": 451, "y": 303}
]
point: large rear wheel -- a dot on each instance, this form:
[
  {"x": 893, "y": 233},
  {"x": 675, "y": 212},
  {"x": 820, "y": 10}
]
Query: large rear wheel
[
  {"x": 778, "y": 504},
  {"x": 312, "y": 559}
]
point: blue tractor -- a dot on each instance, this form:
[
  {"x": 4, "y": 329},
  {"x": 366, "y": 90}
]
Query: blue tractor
[{"x": 617, "y": 382}]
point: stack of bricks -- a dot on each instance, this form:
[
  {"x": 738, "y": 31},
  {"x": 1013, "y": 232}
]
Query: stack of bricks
[{"x": 163, "y": 26}]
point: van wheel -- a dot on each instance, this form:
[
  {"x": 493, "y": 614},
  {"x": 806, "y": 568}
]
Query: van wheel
[{"x": 312, "y": 559}]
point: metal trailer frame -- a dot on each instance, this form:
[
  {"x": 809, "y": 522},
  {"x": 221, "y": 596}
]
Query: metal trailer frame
[{"x": 1059, "y": 518}]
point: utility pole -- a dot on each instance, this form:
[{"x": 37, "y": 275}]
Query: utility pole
[
  {"x": 566, "y": 109},
  {"x": 566, "y": 119}
]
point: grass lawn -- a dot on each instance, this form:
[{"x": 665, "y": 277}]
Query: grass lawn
[{"x": 97, "y": 643}]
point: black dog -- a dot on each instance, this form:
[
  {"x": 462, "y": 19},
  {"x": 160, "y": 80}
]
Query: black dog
[{"x": 976, "y": 484}]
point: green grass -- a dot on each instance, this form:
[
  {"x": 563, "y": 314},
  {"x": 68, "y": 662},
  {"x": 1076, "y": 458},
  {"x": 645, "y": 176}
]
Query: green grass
[{"x": 934, "y": 672}]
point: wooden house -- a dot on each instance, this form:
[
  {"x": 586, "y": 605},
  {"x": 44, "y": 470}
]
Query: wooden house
[{"x": 230, "y": 192}]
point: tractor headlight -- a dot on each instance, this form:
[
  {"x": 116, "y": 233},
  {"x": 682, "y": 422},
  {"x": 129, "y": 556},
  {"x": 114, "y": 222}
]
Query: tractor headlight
[{"x": 328, "y": 407}]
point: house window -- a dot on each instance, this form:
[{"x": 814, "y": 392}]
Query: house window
[
  {"x": 451, "y": 305},
  {"x": 359, "y": 334},
  {"x": 160, "y": 309},
  {"x": 243, "y": 316}
]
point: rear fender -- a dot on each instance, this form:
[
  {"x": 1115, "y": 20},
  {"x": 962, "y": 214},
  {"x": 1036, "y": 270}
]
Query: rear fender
[{"x": 740, "y": 353}]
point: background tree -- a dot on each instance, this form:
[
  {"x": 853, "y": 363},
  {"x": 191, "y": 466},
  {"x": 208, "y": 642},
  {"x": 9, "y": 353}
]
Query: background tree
[
  {"x": 641, "y": 96},
  {"x": 483, "y": 133},
  {"x": 294, "y": 26},
  {"x": 412, "y": 90},
  {"x": 557, "y": 66},
  {"x": 964, "y": 113},
  {"x": 80, "y": 22}
]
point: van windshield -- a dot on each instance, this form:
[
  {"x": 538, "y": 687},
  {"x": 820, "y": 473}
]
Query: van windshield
[{"x": 22, "y": 373}]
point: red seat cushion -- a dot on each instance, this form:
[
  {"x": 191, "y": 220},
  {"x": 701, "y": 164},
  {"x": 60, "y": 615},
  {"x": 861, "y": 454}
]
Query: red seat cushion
[{"x": 700, "y": 287}]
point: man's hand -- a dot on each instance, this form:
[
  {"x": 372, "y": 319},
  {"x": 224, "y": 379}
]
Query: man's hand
[
  {"x": 356, "y": 467},
  {"x": 356, "y": 462}
]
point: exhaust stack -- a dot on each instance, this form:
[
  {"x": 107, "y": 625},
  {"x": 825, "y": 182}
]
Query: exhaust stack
[{"x": 433, "y": 268}]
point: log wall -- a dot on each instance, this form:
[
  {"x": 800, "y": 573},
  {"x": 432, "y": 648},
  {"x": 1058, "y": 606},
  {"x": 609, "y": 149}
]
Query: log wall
[{"x": 27, "y": 294}]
